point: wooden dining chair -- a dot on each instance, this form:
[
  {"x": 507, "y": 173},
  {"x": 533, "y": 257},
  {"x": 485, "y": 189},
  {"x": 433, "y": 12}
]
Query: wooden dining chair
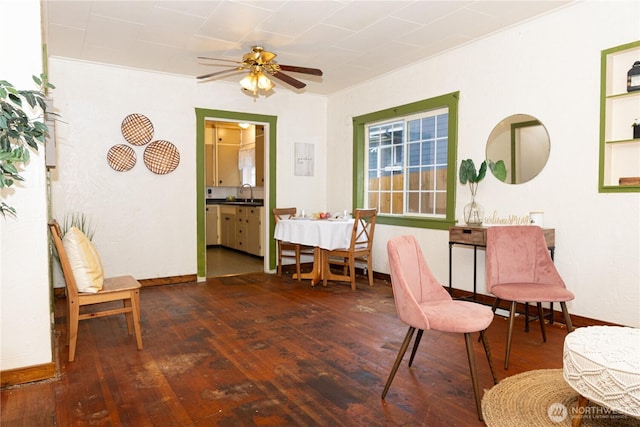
[
  {"x": 287, "y": 249},
  {"x": 121, "y": 288},
  {"x": 359, "y": 250}
]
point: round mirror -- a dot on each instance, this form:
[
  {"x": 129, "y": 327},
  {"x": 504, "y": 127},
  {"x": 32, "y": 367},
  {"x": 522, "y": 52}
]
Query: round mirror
[{"x": 518, "y": 148}]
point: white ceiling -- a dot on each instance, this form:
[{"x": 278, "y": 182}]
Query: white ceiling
[{"x": 350, "y": 40}]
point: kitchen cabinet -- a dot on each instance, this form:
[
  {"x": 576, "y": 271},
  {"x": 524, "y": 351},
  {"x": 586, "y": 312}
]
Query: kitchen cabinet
[
  {"x": 619, "y": 151},
  {"x": 228, "y": 226},
  {"x": 228, "y": 174},
  {"x": 210, "y": 161},
  {"x": 249, "y": 229},
  {"x": 222, "y": 144},
  {"x": 254, "y": 231},
  {"x": 241, "y": 228},
  {"x": 212, "y": 225}
]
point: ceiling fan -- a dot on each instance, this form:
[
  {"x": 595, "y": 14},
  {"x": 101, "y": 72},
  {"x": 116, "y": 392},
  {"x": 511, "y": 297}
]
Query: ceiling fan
[{"x": 260, "y": 64}]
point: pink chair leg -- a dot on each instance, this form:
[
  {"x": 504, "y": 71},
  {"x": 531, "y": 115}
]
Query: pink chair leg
[
  {"x": 474, "y": 376},
  {"x": 396, "y": 364},
  {"x": 512, "y": 318}
]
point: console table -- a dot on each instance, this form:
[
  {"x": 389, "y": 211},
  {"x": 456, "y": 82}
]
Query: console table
[{"x": 476, "y": 236}]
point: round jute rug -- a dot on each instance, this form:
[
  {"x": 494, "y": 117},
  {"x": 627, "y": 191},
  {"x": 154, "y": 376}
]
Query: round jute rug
[{"x": 542, "y": 398}]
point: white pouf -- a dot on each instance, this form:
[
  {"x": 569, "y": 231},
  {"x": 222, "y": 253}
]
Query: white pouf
[{"x": 602, "y": 363}]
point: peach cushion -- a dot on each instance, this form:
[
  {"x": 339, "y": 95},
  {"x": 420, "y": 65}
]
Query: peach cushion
[{"x": 84, "y": 260}]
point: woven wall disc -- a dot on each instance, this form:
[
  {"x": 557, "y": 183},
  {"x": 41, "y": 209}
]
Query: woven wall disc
[
  {"x": 161, "y": 157},
  {"x": 121, "y": 157},
  {"x": 137, "y": 129}
]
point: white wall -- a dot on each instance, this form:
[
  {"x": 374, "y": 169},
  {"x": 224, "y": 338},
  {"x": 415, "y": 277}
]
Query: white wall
[
  {"x": 25, "y": 321},
  {"x": 146, "y": 223},
  {"x": 549, "y": 68}
]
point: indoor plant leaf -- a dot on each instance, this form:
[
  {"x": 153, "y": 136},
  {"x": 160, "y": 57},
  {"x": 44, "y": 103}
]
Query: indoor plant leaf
[{"x": 498, "y": 169}]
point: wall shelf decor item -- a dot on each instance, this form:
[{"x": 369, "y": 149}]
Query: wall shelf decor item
[
  {"x": 619, "y": 108},
  {"x": 161, "y": 157},
  {"x": 633, "y": 77},
  {"x": 137, "y": 129},
  {"x": 121, "y": 157}
]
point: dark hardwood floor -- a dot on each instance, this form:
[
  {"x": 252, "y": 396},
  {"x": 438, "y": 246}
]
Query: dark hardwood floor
[{"x": 262, "y": 350}]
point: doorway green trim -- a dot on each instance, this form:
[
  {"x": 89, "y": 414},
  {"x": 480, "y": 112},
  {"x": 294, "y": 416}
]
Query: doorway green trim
[{"x": 202, "y": 115}]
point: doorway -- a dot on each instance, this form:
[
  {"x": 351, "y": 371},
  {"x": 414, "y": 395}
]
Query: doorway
[{"x": 269, "y": 122}]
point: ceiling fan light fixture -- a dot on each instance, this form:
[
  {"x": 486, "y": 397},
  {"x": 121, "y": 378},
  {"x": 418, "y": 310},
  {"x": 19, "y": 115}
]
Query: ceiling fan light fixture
[
  {"x": 256, "y": 80},
  {"x": 263, "y": 82},
  {"x": 250, "y": 82}
]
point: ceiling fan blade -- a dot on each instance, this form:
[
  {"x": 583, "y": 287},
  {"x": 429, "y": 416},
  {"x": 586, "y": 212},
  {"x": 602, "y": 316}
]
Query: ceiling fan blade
[
  {"x": 304, "y": 70},
  {"x": 217, "y": 73},
  {"x": 289, "y": 80},
  {"x": 219, "y": 59}
]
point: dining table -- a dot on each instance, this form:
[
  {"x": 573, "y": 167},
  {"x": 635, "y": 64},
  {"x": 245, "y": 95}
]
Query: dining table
[{"x": 321, "y": 234}]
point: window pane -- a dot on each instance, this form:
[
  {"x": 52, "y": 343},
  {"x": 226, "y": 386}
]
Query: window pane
[
  {"x": 413, "y": 181},
  {"x": 386, "y": 159},
  {"x": 441, "y": 203},
  {"x": 414, "y": 130},
  {"x": 413, "y": 202},
  {"x": 385, "y": 202},
  {"x": 413, "y": 152},
  {"x": 441, "y": 178},
  {"x": 428, "y": 153},
  {"x": 398, "y": 203},
  {"x": 427, "y": 202},
  {"x": 443, "y": 126},
  {"x": 428, "y": 128}
]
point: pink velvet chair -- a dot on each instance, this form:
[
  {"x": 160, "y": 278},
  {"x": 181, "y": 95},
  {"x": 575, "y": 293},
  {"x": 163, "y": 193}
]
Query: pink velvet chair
[
  {"x": 520, "y": 269},
  {"x": 424, "y": 304}
]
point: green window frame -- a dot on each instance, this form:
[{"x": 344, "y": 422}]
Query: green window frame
[{"x": 360, "y": 123}]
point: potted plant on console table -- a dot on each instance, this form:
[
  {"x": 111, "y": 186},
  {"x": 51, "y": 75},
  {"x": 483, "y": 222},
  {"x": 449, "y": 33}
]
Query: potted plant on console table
[{"x": 473, "y": 211}]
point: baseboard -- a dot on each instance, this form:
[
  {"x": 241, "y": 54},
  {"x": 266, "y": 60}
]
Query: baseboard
[
  {"x": 27, "y": 374},
  {"x": 171, "y": 280}
]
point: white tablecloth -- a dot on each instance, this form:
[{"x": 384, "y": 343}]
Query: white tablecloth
[{"x": 325, "y": 234}]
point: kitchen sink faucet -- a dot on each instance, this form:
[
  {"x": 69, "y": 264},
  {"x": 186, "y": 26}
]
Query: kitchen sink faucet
[{"x": 250, "y": 189}]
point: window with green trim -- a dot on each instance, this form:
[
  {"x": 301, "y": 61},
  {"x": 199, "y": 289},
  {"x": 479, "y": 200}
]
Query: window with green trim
[{"x": 405, "y": 162}]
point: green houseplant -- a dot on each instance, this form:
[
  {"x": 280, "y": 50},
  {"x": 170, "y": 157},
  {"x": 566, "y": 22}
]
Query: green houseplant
[
  {"x": 473, "y": 211},
  {"x": 19, "y": 132}
]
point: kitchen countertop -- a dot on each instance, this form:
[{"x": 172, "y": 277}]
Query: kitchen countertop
[{"x": 236, "y": 202}]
